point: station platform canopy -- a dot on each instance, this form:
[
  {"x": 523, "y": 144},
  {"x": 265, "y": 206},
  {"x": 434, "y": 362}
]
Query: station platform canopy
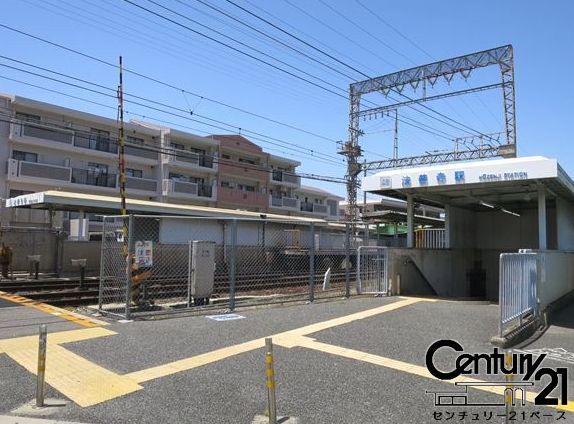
[
  {"x": 399, "y": 217},
  {"x": 508, "y": 183},
  {"x": 110, "y": 205}
]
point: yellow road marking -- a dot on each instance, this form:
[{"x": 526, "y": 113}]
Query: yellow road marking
[
  {"x": 74, "y": 317},
  {"x": 77, "y": 378},
  {"x": 285, "y": 338}
]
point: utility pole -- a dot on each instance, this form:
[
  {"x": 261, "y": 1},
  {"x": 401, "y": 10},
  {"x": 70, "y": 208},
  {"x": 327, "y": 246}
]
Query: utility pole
[{"x": 122, "y": 143}]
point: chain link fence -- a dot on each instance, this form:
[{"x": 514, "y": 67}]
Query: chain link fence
[{"x": 162, "y": 264}]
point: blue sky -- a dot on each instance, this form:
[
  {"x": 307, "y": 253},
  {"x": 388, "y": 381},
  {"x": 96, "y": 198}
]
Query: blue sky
[{"x": 541, "y": 33}]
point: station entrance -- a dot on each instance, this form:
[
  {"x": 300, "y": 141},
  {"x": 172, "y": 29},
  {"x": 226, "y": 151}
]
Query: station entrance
[{"x": 491, "y": 207}]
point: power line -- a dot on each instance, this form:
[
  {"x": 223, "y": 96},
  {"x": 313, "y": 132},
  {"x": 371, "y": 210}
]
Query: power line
[
  {"x": 171, "y": 152},
  {"x": 165, "y": 84},
  {"x": 327, "y": 156}
]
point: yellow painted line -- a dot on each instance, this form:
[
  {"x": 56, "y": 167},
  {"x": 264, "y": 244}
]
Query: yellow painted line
[
  {"x": 74, "y": 317},
  {"x": 195, "y": 361},
  {"x": 286, "y": 339},
  {"x": 82, "y": 381},
  {"x": 406, "y": 367}
]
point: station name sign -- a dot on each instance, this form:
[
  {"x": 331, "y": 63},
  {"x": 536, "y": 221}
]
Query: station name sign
[
  {"x": 25, "y": 200},
  {"x": 454, "y": 177}
]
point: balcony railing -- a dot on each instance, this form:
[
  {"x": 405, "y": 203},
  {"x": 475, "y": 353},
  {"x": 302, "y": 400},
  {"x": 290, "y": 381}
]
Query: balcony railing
[
  {"x": 79, "y": 139},
  {"x": 285, "y": 177},
  {"x": 143, "y": 184},
  {"x": 242, "y": 198},
  {"x": 38, "y": 170},
  {"x": 176, "y": 155},
  {"x": 172, "y": 186},
  {"x": 44, "y": 132},
  {"x": 314, "y": 208},
  {"x": 284, "y": 202},
  {"x": 66, "y": 174},
  {"x": 93, "y": 178}
]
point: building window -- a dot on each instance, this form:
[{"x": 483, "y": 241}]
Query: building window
[
  {"x": 177, "y": 146},
  {"x": 225, "y": 156},
  {"x": 28, "y": 117},
  {"x": 226, "y": 184},
  {"x": 135, "y": 140},
  {"x": 97, "y": 168},
  {"x": 136, "y": 173},
  {"x": 24, "y": 156},
  {"x": 186, "y": 178},
  {"x": 319, "y": 201}
]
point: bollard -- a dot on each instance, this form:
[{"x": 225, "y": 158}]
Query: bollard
[
  {"x": 270, "y": 381},
  {"x": 41, "y": 366},
  {"x": 509, "y": 391}
]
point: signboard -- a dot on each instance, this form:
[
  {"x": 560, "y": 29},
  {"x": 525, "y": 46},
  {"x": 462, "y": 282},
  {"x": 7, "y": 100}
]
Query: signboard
[
  {"x": 144, "y": 253},
  {"x": 25, "y": 200},
  {"x": 462, "y": 173}
]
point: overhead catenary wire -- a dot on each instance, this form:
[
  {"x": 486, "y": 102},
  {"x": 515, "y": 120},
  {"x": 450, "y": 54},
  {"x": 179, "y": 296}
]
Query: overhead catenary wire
[
  {"x": 233, "y": 126},
  {"x": 156, "y": 80}
]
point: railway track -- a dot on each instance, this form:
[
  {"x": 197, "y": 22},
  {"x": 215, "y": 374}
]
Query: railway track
[{"x": 66, "y": 292}]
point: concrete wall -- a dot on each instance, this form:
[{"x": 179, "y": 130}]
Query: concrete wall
[
  {"x": 565, "y": 225},
  {"x": 555, "y": 276}
]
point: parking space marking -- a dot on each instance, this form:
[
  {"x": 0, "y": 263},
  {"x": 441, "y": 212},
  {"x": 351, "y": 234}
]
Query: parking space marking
[
  {"x": 77, "y": 378},
  {"x": 74, "y": 317}
]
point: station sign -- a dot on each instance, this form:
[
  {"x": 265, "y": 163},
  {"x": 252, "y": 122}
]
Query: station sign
[
  {"x": 25, "y": 200},
  {"x": 462, "y": 173}
]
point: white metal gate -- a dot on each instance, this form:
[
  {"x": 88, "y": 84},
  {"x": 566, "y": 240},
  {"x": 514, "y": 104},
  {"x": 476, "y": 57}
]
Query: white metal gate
[
  {"x": 517, "y": 296},
  {"x": 372, "y": 270}
]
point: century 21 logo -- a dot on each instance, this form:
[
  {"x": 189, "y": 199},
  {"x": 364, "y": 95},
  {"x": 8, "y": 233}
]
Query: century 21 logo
[{"x": 524, "y": 364}]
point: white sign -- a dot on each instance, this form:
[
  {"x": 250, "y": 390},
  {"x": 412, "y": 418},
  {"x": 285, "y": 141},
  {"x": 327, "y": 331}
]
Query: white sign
[
  {"x": 25, "y": 200},
  {"x": 225, "y": 317},
  {"x": 144, "y": 253}
]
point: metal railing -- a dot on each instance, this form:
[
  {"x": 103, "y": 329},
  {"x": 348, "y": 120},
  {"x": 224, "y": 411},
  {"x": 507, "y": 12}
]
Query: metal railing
[
  {"x": 518, "y": 290},
  {"x": 42, "y": 131},
  {"x": 372, "y": 270},
  {"x": 430, "y": 238},
  {"x": 285, "y": 177},
  {"x": 93, "y": 178},
  {"x": 200, "y": 160},
  {"x": 144, "y": 184},
  {"x": 284, "y": 202},
  {"x": 39, "y": 170}
]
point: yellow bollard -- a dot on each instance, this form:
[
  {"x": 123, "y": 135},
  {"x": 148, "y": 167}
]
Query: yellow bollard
[
  {"x": 270, "y": 382},
  {"x": 509, "y": 391}
]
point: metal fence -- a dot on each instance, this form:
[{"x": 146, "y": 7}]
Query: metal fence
[
  {"x": 372, "y": 270},
  {"x": 430, "y": 238},
  {"x": 149, "y": 264},
  {"x": 518, "y": 298}
]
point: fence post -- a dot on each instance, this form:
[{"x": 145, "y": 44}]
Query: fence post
[
  {"x": 312, "y": 263},
  {"x": 347, "y": 261},
  {"x": 102, "y": 247},
  {"x": 232, "y": 264},
  {"x": 41, "y": 365},
  {"x": 129, "y": 264},
  {"x": 270, "y": 381},
  {"x": 189, "y": 271}
]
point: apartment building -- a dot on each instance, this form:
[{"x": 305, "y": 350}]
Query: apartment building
[{"x": 47, "y": 147}]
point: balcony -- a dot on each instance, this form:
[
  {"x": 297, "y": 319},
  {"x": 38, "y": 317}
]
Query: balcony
[
  {"x": 189, "y": 160},
  {"x": 315, "y": 208},
  {"x": 56, "y": 175},
  {"x": 93, "y": 178},
  {"x": 61, "y": 136},
  {"x": 287, "y": 203},
  {"x": 143, "y": 184},
  {"x": 242, "y": 198},
  {"x": 19, "y": 170},
  {"x": 285, "y": 178},
  {"x": 185, "y": 189}
]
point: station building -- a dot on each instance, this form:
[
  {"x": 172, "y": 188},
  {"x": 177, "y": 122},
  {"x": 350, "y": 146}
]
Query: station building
[{"x": 490, "y": 207}]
